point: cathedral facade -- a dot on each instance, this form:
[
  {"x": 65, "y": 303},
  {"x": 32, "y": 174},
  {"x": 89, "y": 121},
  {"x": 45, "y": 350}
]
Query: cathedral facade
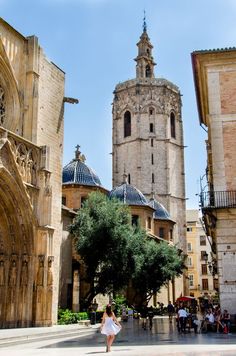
[
  {"x": 148, "y": 139},
  {"x": 31, "y": 147}
]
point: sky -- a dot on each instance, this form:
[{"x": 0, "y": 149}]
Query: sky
[{"x": 94, "y": 42}]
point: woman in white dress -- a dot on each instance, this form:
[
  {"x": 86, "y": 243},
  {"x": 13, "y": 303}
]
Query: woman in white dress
[{"x": 110, "y": 326}]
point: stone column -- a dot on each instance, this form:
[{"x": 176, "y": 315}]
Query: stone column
[{"x": 76, "y": 285}]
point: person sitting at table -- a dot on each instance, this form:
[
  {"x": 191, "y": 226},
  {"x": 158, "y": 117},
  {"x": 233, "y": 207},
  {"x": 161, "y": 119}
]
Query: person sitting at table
[{"x": 208, "y": 320}]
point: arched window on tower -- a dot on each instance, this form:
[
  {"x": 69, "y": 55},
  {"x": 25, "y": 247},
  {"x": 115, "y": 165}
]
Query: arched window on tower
[
  {"x": 127, "y": 124},
  {"x": 148, "y": 71},
  {"x": 129, "y": 179},
  {"x": 172, "y": 125}
]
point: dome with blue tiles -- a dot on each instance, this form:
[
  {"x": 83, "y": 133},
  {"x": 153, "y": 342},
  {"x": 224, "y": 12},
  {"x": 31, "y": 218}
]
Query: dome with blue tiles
[
  {"x": 128, "y": 194},
  {"x": 160, "y": 211},
  {"x": 77, "y": 172}
]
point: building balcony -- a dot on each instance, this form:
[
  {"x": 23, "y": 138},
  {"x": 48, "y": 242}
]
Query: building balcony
[{"x": 218, "y": 200}]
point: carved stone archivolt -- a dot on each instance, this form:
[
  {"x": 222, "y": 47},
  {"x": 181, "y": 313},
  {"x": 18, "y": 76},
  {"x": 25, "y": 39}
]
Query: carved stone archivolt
[{"x": 2, "y": 106}]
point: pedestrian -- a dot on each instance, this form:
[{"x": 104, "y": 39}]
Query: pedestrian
[
  {"x": 150, "y": 317},
  {"x": 218, "y": 318},
  {"x": 144, "y": 314},
  {"x": 182, "y": 315},
  {"x": 110, "y": 326},
  {"x": 170, "y": 310}
]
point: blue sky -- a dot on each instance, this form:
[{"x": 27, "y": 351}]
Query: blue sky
[{"x": 94, "y": 42}]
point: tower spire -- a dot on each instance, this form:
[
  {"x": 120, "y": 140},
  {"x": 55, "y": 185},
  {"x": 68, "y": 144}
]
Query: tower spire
[
  {"x": 144, "y": 21},
  {"x": 145, "y": 63}
]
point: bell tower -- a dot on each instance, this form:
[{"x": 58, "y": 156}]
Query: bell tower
[{"x": 148, "y": 137}]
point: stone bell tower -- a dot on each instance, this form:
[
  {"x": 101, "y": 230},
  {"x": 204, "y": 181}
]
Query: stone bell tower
[{"x": 148, "y": 137}]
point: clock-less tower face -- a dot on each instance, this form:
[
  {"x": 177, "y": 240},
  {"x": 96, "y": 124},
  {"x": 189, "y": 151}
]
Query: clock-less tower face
[{"x": 148, "y": 136}]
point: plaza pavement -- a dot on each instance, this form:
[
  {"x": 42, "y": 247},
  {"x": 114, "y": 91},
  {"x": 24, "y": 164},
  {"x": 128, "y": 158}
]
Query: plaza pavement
[{"x": 73, "y": 340}]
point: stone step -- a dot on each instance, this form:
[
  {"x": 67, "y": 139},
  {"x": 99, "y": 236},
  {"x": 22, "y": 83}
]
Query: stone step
[{"x": 21, "y": 336}]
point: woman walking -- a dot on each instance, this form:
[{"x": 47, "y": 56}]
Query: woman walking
[{"x": 110, "y": 326}]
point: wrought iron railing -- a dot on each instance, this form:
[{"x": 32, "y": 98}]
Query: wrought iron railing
[{"x": 214, "y": 200}]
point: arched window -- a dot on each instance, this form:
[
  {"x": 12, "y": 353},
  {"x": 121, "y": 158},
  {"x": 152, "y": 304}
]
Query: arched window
[
  {"x": 151, "y": 111},
  {"x": 129, "y": 179},
  {"x": 148, "y": 71},
  {"x": 135, "y": 220},
  {"x": 2, "y": 106},
  {"x": 127, "y": 124},
  {"x": 82, "y": 200},
  {"x": 172, "y": 125}
]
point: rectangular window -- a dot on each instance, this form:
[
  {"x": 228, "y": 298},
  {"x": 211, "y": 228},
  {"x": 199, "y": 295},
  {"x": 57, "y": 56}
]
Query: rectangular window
[
  {"x": 151, "y": 142},
  {"x": 189, "y": 247},
  {"x": 152, "y": 159},
  {"x": 162, "y": 232},
  {"x": 189, "y": 261},
  {"x": 149, "y": 223},
  {"x": 205, "y": 284},
  {"x": 202, "y": 240},
  {"x": 190, "y": 280},
  {"x": 153, "y": 178},
  {"x": 204, "y": 269},
  {"x": 63, "y": 200},
  {"x": 203, "y": 254},
  {"x": 151, "y": 127},
  {"x": 189, "y": 229},
  {"x": 171, "y": 234}
]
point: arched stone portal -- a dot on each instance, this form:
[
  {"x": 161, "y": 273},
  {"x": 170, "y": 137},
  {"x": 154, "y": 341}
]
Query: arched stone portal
[{"x": 17, "y": 246}]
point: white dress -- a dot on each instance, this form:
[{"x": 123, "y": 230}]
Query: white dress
[{"x": 110, "y": 327}]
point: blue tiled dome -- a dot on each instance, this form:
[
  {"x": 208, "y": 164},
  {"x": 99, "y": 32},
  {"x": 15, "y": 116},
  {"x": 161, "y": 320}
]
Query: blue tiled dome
[
  {"x": 129, "y": 195},
  {"x": 77, "y": 172},
  {"x": 160, "y": 211}
]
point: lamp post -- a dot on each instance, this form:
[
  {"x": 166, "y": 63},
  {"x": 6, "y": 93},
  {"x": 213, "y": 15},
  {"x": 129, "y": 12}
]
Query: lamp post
[{"x": 212, "y": 265}]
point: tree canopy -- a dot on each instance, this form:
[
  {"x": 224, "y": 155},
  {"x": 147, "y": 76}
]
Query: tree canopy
[
  {"x": 155, "y": 264},
  {"x": 102, "y": 230},
  {"x": 115, "y": 252}
]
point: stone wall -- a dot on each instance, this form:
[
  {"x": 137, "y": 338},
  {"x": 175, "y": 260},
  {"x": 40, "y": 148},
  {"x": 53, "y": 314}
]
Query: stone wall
[
  {"x": 154, "y": 160},
  {"x": 33, "y": 91}
]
